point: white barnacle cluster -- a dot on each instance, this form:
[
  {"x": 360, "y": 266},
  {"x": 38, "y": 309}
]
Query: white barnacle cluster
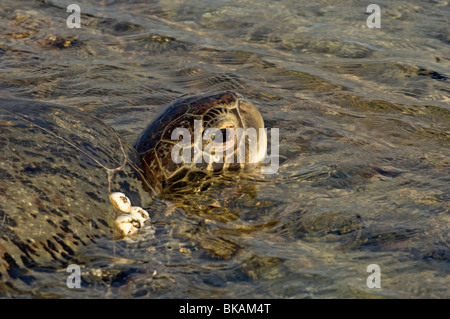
[{"x": 134, "y": 217}]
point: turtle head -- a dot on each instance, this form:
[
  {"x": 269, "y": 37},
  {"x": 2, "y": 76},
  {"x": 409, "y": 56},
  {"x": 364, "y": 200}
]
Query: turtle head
[
  {"x": 252, "y": 119},
  {"x": 233, "y": 133},
  {"x": 202, "y": 134}
]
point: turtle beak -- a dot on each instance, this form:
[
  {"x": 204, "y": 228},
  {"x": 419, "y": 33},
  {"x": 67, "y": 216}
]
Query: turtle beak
[{"x": 251, "y": 118}]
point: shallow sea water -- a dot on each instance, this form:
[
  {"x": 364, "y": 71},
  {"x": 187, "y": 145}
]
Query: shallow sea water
[{"x": 364, "y": 123}]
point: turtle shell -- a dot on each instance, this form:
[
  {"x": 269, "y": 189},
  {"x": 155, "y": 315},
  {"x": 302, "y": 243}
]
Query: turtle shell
[
  {"x": 57, "y": 169},
  {"x": 223, "y": 113}
]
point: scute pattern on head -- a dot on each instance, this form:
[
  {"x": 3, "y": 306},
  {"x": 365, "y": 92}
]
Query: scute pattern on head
[
  {"x": 59, "y": 166},
  {"x": 218, "y": 110}
]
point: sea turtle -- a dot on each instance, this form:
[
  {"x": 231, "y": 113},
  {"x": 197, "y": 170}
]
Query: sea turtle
[{"x": 59, "y": 169}]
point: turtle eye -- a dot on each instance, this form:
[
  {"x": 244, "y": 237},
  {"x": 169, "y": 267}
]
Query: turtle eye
[
  {"x": 224, "y": 135},
  {"x": 223, "y": 132}
]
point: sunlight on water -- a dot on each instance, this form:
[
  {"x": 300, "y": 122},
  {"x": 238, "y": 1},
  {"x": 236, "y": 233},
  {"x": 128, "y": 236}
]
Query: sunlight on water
[{"x": 364, "y": 123}]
